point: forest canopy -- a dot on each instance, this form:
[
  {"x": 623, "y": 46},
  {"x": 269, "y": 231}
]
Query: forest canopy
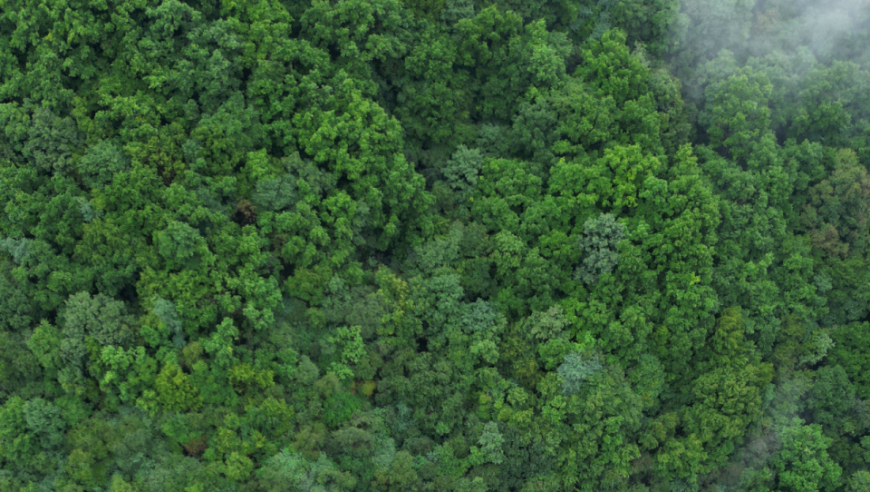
[{"x": 435, "y": 245}]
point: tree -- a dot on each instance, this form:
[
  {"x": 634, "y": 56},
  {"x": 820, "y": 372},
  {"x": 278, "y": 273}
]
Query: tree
[
  {"x": 848, "y": 354},
  {"x": 462, "y": 171},
  {"x": 839, "y": 207},
  {"x": 98, "y": 166},
  {"x": 576, "y": 369},
  {"x": 287, "y": 467},
  {"x": 490, "y": 442},
  {"x": 52, "y": 141},
  {"x": 100, "y": 317},
  {"x": 599, "y": 244},
  {"x": 175, "y": 390},
  {"x": 737, "y": 112},
  {"x": 803, "y": 463},
  {"x": 180, "y": 245}
]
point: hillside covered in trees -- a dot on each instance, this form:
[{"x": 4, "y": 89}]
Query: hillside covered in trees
[{"x": 434, "y": 245}]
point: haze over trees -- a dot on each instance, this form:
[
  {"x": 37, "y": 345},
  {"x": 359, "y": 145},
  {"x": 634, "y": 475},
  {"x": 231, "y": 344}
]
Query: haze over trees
[{"x": 434, "y": 245}]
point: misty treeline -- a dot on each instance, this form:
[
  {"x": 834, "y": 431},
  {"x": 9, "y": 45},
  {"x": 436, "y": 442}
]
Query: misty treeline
[{"x": 434, "y": 245}]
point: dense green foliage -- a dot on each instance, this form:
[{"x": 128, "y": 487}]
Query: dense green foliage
[{"x": 434, "y": 245}]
